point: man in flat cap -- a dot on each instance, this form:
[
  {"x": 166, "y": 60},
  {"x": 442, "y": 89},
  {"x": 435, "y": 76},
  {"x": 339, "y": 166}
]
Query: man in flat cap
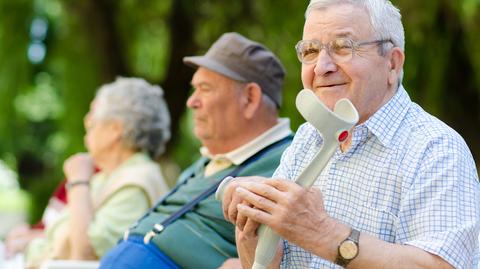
[{"x": 237, "y": 93}]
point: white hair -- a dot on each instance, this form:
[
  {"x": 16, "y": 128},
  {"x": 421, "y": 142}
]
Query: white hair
[
  {"x": 385, "y": 18},
  {"x": 142, "y": 110}
]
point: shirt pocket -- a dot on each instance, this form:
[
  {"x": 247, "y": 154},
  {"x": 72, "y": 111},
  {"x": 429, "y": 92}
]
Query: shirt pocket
[{"x": 377, "y": 222}]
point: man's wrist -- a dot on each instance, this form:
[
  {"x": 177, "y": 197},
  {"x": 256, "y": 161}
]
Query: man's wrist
[
  {"x": 348, "y": 249},
  {"x": 325, "y": 243}
]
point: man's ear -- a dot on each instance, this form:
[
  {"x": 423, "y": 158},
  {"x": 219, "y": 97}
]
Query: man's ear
[
  {"x": 253, "y": 98},
  {"x": 396, "y": 60}
]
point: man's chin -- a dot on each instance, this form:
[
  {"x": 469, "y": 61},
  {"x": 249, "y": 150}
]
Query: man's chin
[
  {"x": 197, "y": 133},
  {"x": 329, "y": 97},
  {"x": 200, "y": 134}
]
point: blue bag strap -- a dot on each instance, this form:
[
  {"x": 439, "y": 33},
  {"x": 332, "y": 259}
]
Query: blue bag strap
[
  {"x": 159, "y": 227},
  {"x": 183, "y": 180}
]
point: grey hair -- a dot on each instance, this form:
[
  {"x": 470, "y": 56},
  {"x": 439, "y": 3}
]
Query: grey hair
[
  {"x": 142, "y": 110},
  {"x": 267, "y": 101},
  {"x": 385, "y": 18}
]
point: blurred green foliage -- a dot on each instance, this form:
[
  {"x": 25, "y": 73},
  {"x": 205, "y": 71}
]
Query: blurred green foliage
[{"x": 90, "y": 42}]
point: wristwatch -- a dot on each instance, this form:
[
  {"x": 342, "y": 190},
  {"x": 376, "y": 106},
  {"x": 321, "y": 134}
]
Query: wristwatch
[{"x": 348, "y": 249}]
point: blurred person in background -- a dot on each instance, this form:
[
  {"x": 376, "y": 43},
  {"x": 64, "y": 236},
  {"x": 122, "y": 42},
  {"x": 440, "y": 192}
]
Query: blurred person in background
[
  {"x": 14, "y": 205},
  {"x": 14, "y": 202},
  {"x": 18, "y": 238},
  {"x": 127, "y": 128},
  {"x": 237, "y": 90}
]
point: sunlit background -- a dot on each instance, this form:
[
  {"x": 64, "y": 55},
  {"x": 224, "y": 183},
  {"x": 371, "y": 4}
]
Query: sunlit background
[{"x": 54, "y": 54}]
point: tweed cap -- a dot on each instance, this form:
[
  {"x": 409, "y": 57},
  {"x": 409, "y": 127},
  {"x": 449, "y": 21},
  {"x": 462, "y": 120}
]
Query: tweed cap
[{"x": 244, "y": 60}]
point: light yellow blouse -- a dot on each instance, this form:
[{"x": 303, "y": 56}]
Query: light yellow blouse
[{"x": 131, "y": 190}]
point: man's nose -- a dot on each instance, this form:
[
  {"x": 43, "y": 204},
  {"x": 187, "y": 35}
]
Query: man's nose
[
  {"x": 325, "y": 63},
  {"x": 193, "y": 101}
]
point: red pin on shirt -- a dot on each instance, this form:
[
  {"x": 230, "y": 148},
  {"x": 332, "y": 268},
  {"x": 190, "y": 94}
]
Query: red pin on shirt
[{"x": 343, "y": 135}]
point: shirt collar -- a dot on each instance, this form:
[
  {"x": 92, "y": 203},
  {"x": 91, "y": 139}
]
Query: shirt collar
[
  {"x": 239, "y": 155},
  {"x": 386, "y": 121}
]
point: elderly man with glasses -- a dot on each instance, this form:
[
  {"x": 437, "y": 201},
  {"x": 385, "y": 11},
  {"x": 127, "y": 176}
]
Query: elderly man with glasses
[{"x": 401, "y": 192}]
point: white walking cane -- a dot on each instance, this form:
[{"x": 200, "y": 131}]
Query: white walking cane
[{"x": 333, "y": 127}]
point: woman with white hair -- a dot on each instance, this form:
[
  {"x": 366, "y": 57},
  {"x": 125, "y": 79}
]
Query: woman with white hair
[{"x": 126, "y": 129}]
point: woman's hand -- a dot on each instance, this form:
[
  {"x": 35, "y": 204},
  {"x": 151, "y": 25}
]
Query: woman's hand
[{"x": 79, "y": 167}]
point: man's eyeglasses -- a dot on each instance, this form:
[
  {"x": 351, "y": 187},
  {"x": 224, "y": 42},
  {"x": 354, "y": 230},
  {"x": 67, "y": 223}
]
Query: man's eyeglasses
[{"x": 340, "y": 50}]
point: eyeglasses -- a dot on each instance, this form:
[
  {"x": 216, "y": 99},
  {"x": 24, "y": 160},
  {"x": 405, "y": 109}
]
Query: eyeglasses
[{"x": 340, "y": 50}]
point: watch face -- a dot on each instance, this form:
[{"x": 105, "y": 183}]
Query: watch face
[{"x": 348, "y": 250}]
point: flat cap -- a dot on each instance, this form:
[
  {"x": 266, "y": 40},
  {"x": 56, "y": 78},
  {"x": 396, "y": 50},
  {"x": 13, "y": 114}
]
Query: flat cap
[{"x": 242, "y": 59}]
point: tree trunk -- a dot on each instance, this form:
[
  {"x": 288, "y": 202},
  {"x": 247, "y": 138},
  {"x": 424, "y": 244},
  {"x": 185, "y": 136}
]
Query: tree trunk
[{"x": 177, "y": 82}]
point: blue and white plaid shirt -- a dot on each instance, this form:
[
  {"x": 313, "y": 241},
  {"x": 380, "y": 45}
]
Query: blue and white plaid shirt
[{"x": 407, "y": 179}]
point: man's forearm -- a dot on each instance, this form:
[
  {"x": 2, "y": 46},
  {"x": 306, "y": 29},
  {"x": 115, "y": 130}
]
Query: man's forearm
[{"x": 375, "y": 253}]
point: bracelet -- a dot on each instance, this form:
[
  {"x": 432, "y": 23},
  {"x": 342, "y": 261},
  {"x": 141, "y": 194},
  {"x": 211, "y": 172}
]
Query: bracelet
[{"x": 72, "y": 184}]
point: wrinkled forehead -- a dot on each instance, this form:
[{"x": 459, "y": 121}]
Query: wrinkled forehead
[
  {"x": 87, "y": 119},
  {"x": 93, "y": 105},
  {"x": 206, "y": 77},
  {"x": 337, "y": 20},
  {"x": 93, "y": 109}
]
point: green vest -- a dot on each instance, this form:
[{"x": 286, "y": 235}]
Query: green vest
[{"x": 202, "y": 238}]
